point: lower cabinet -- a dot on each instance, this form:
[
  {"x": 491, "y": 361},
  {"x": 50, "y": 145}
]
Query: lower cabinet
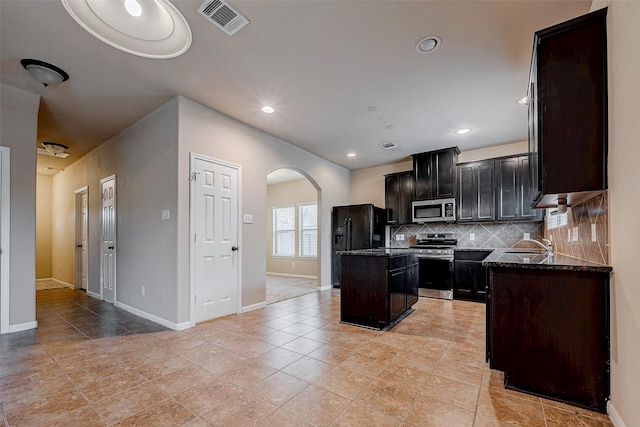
[
  {"x": 548, "y": 330},
  {"x": 377, "y": 289},
  {"x": 470, "y": 277}
]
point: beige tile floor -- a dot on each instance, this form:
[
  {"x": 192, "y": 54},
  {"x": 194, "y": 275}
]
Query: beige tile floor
[{"x": 289, "y": 364}]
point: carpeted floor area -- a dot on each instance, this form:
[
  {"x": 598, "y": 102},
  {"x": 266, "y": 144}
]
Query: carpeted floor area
[
  {"x": 280, "y": 288},
  {"x": 43, "y": 285}
]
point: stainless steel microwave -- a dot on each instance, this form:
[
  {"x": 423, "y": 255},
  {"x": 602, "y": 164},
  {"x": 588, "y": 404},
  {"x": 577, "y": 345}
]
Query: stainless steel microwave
[{"x": 434, "y": 210}]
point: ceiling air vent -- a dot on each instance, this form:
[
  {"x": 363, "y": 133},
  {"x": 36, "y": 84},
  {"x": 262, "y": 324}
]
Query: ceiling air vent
[
  {"x": 223, "y": 16},
  {"x": 388, "y": 145}
]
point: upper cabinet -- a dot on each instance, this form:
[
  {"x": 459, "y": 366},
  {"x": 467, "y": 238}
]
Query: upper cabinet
[
  {"x": 513, "y": 198},
  {"x": 435, "y": 174},
  {"x": 568, "y": 111},
  {"x": 398, "y": 194},
  {"x": 476, "y": 197}
]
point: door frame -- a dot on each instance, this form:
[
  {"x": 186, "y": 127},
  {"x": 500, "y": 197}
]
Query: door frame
[
  {"x": 115, "y": 256},
  {"x": 5, "y": 236},
  {"x": 78, "y": 208},
  {"x": 192, "y": 228}
]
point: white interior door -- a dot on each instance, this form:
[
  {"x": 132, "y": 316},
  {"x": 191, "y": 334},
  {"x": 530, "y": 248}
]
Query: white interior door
[
  {"x": 214, "y": 205},
  {"x": 4, "y": 239},
  {"x": 82, "y": 247},
  {"x": 108, "y": 239}
]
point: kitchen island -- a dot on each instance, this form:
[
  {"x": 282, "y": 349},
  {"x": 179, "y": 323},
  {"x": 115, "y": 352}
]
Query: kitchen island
[
  {"x": 378, "y": 287},
  {"x": 548, "y": 325}
]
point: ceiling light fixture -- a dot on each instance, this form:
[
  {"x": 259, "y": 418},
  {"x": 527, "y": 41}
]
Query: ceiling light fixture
[
  {"x": 268, "y": 109},
  {"x": 160, "y": 32},
  {"x": 133, "y": 7},
  {"x": 351, "y": 154},
  {"x": 463, "y": 131},
  {"x": 54, "y": 147},
  {"x": 45, "y": 73},
  {"x": 428, "y": 44}
]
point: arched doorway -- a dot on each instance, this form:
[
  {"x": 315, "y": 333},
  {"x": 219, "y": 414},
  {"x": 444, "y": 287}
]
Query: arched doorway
[{"x": 293, "y": 263}]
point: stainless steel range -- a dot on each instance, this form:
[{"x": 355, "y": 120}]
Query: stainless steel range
[{"x": 435, "y": 257}]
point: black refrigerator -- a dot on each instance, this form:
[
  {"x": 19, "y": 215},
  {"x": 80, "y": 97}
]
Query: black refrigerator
[{"x": 355, "y": 227}]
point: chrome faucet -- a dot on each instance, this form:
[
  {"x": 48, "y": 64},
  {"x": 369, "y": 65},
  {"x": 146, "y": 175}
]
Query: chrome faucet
[{"x": 547, "y": 245}]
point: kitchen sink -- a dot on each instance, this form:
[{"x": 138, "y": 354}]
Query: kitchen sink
[{"x": 524, "y": 252}]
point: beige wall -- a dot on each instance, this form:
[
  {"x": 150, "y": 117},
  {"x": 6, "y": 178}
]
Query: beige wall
[
  {"x": 367, "y": 185},
  {"x": 289, "y": 193},
  {"x": 624, "y": 205},
  {"x": 143, "y": 158},
  {"x": 43, "y": 226},
  {"x": 18, "y": 131}
]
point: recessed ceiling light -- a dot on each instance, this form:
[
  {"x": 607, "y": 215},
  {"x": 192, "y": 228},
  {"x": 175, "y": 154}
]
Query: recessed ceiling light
[
  {"x": 428, "y": 44},
  {"x": 268, "y": 109},
  {"x": 351, "y": 154},
  {"x": 524, "y": 100},
  {"x": 160, "y": 32},
  {"x": 463, "y": 131},
  {"x": 133, "y": 7}
]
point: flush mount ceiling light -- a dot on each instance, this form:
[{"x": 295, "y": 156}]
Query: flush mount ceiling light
[
  {"x": 351, "y": 154},
  {"x": 268, "y": 109},
  {"x": 45, "y": 73},
  {"x": 463, "y": 131},
  {"x": 54, "y": 149},
  {"x": 147, "y": 28},
  {"x": 428, "y": 44}
]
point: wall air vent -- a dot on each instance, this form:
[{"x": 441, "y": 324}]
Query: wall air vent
[
  {"x": 388, "y": 145},
  {"x": 223, "y": 16}
]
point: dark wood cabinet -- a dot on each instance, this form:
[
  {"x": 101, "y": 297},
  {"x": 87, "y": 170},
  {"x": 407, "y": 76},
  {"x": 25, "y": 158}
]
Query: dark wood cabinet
[
  {"x": 548, "y": 330},
  {"x": 568, "y": 110},
  {"x": 435, "y": 174},
  {"x": 470, "y": 277},
  {"x": 377, "y": 289},
  {"x": 513, "y": 199},
  {"x": 476, "y": 197},
  {"x": 398, "y": 195}
]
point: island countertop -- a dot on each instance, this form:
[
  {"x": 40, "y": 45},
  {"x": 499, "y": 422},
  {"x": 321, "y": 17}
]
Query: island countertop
[
  {"x": 385, "y": 252},
  {"x": 510, "y": 258}
]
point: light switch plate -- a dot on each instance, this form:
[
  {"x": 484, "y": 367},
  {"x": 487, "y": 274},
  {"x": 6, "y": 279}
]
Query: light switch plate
[
  {"x": 594, "y": 233},
  {"x": 166, "y": 214},
  {"x": 399, "y": 237},
  {"x": 472, "y": 236},
  {"x": 575, "y": 234},
  {"x": 527, "y": 236},
  {"x": 247, "y": 218}
]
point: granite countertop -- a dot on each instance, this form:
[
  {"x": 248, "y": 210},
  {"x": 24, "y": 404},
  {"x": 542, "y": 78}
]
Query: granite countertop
[
  {"x": 528, "y": 259},
  {"x": 388, "y": 252}
]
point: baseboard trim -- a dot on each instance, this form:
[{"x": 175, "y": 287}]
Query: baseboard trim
[
  {"x": 324, "y": 288},
  {"x": 302, "y": 276},
  {"x": 184, "y": 325},
  {"x": 253, "y": 307},
  {"x": 614, "y": 416},
  {"x": 94, "y": 295},
  {"x": 148, "y": 316},
  {"x": 23, "y": 326}
]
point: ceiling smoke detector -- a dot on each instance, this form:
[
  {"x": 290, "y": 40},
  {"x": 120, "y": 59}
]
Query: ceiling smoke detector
[{"x": 223, "y": 16}]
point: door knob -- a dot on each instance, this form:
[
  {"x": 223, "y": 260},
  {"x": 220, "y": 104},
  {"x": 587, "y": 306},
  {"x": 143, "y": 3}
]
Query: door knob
[
  {"x": 78, "y": 246},
  {"x": 234, "y": 248},
  {"x": 110, "y": 247}
]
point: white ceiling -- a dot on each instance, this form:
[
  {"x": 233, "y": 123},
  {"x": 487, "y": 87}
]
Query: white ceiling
[{"x": 321, "y": 64}]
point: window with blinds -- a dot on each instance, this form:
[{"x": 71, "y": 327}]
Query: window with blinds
[
  {"x": 308, "y": 226},
  {"x": 284, "y": 231}
]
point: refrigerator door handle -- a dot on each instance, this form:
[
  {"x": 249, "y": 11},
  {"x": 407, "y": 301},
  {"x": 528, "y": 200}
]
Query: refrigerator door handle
[{"x": 348, "y": 234}]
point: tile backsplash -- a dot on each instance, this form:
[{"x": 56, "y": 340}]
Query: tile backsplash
[
  {"x": 486, "y": 235},
  {"x": 593, "y": 211}
]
